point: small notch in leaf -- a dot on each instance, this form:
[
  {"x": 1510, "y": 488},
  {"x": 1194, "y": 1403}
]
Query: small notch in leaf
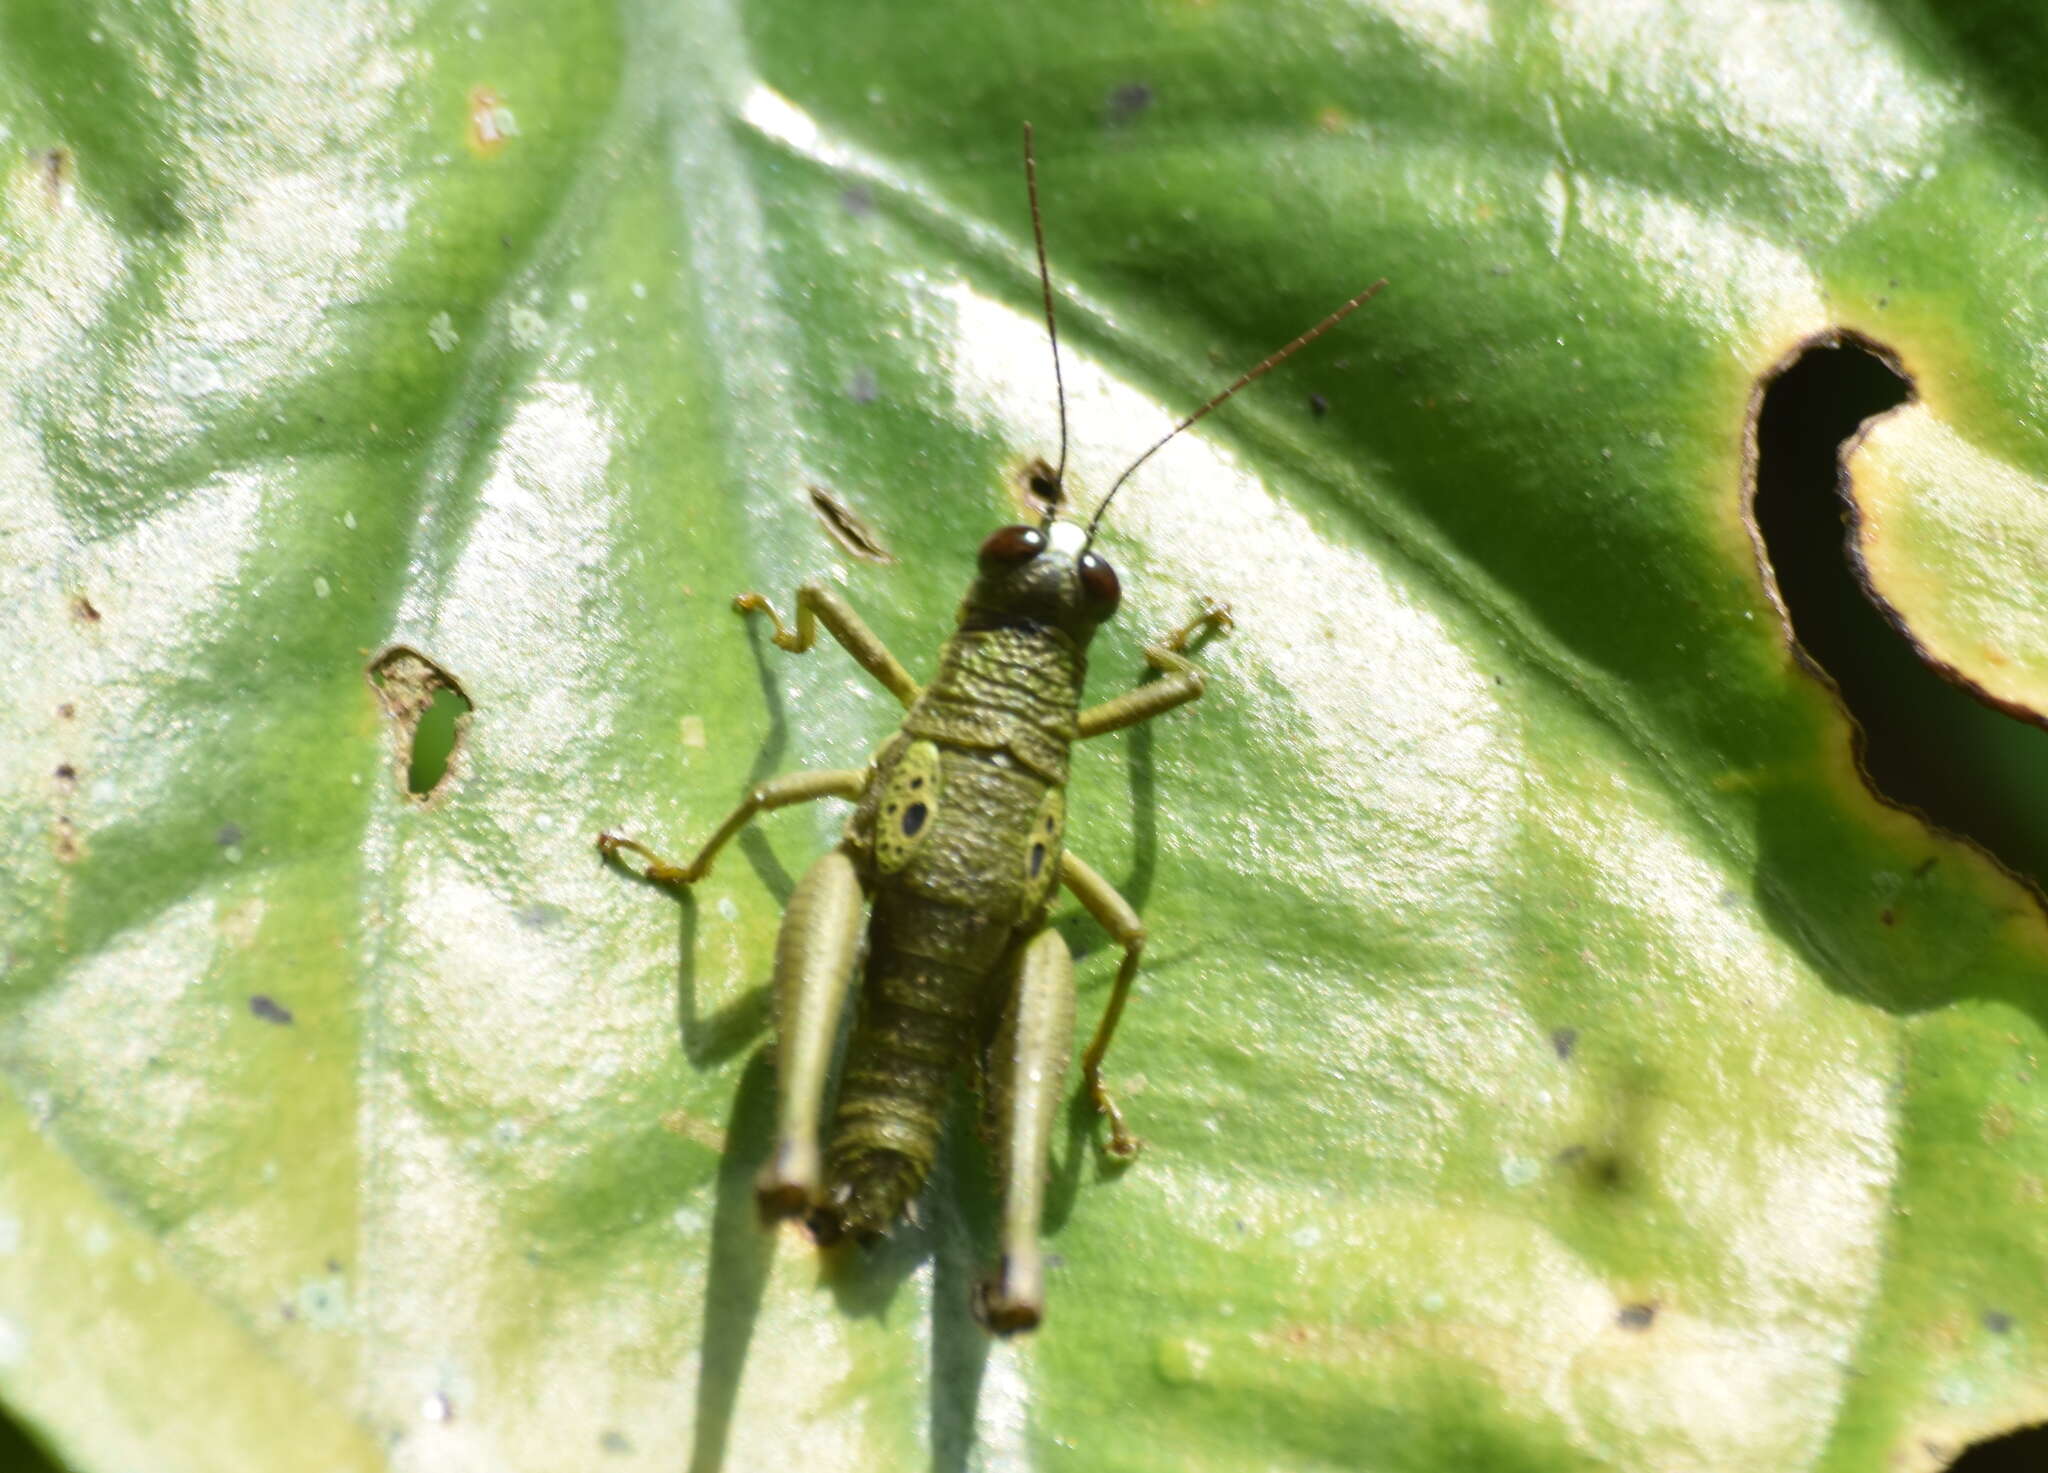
[
  {"x": 58, "y": 172},
  {"x": 846, "y": 527},
  {"x": 1042, "y": 490}
]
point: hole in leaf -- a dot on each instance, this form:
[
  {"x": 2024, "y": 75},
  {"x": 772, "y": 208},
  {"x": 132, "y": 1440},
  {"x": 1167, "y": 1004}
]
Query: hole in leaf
[
  {"x": 2024, "y": 1451},
  {"x": 432, "y": 714},
  {"x": 1922, "y": 742},
  {"x": 433, "y": 742},
  {"x": 21, "y": 1452}
]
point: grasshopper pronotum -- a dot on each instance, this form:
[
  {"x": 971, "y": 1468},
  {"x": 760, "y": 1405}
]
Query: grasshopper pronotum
[{"x": 955, "y": 848}]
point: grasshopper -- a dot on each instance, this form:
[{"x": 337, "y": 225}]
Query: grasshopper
[{"x": 955, "y": 849}]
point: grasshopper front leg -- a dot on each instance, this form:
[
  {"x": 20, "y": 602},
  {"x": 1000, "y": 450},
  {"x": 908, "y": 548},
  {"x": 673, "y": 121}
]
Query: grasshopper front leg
[
  {"x": 818, "y": 604},
  {"x": 1183, "y": 681}
]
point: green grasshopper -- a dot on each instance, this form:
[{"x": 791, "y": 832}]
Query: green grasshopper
[{"x": 955, "y": 848}]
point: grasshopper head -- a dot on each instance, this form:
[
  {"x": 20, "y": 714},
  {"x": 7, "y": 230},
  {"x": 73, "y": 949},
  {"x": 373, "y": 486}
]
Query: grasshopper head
[{"x": 1042, "y": 577}]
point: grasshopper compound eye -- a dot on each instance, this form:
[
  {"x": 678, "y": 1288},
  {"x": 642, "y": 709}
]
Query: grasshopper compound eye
[
  {"x": 1012, "y": 547},
  {"x": 1099, "y": 583}
]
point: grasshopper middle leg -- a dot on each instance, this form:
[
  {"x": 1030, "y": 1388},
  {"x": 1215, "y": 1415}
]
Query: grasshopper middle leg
[
  {"x": 1115, "y": 915},
  {"x": 815, "y": 954},
  {"x": 778, "y": 792}
]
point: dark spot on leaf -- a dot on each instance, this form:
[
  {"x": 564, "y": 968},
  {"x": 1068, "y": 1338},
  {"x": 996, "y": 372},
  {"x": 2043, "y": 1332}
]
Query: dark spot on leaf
[
  {"x": 1127, "y": 101},
  {"x": 1887, "y": 917},
  {"x": 66, "y": 773},
  {"x": 66, "y": 711},
  {"x": 614, "y": 1441},
  {"x": 1037, "y": 859},
  {"x": 857, "y": 200},
  {"x": 916, "y": 783},
  {"x": 57, "y": 171},
  {"x": 862, "y": 387},
  {"x": 82, "y": 609},
  {"x": 334, "y": 1265},
  {"x": 913, "y": 818},
  {"x": 432, "y": 714},
  {"x": 846, "y": 527},
  {"x": 1998, "y": 1322},
  {"x": 1564, "y": 1040},
  {"x": 1318, "y": 405},
  {"x": 269, "y": 1009},
  {"x": 1600, "y": 1170},
  {"x": 540, "y": 916},
  {"x": 1636, "y": 1316},
  {"x": 227, "y": 834}
]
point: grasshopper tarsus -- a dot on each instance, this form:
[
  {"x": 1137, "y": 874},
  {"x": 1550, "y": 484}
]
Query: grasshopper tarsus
[
  {"x": 1121, "y": 1148},
  {"x": 788, "y": 1183},
  {"x": 658, "y": 871},
  {"x": 780, "y": 1201},
  {"x": 1004, "y": 1307},
  {"x": 784, "y": 637},
  {"x": 1214, "y": 621}
]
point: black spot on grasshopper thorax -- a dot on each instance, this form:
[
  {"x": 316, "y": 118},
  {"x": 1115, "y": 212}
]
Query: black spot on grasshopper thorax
[{"x": 961, "y": 827}]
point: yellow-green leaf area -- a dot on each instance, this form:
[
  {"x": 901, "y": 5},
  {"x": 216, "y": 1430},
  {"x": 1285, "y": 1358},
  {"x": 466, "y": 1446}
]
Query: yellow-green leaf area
[{"x": 1952, "y": 537}]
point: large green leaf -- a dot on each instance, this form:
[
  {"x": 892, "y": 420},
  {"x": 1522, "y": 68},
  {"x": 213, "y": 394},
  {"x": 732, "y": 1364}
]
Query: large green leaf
[{"x": 1552, "y": 1054}]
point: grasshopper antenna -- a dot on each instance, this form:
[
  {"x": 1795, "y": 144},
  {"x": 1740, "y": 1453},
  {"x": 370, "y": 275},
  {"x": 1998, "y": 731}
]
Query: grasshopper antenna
[
  {"x": 1052, "y": 331},
  {"x": 1271, "y": 363}
]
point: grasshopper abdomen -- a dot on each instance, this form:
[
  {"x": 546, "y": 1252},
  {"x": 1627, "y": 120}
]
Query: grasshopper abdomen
[{"x": 957, "y": 840}]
